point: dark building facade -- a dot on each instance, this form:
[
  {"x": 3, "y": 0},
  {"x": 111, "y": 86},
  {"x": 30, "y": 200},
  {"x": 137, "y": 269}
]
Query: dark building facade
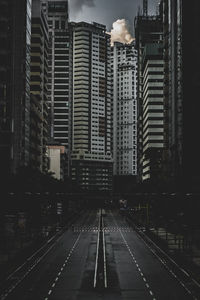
[
  {"x": 93, "y": 175},
  {"x": 182, "y": 88},
  {"x": 15, "y": 42},
  {"x": 38, "y": 88},
  {"x": 59, "y": 74}
]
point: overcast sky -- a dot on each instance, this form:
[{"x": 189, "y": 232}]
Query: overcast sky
[{"x": 107, "y": 11}]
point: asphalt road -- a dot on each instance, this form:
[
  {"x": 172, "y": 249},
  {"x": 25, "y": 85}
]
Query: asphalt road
[{"x": 66, "y": 270}]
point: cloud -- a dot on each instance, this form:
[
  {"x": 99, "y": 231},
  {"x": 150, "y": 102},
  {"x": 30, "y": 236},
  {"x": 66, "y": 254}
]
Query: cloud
[
  {"x": 120, "y": 32},
  {"x": 77, "y": 5}
]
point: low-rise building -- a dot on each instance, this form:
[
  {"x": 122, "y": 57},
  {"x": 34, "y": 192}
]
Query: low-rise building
[{"x": 57, "y": 161}]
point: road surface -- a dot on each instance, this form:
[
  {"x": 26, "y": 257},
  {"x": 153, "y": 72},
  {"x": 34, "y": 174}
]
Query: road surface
[{"x": 98, "y": 257}]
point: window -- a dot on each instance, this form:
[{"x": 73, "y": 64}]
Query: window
[
  {"x": 62, "y": 24},
  {"x": 56, "y": 24}
]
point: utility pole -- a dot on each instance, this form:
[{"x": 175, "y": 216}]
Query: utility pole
[{"x": 145, "y": 7}]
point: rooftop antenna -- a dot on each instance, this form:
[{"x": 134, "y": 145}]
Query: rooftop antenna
[{"x": 145, "y": 7}]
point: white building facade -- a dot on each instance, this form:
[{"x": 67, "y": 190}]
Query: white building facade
[
  {"x": 124, "y": 91},
  {"x": 55, "y": 154},
  {"x": 153, "y": 112},
  {"x": 91, "y": 109}
]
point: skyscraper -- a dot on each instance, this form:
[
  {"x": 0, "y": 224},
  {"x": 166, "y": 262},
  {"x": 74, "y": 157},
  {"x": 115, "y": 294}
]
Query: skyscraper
[
  {"x": 153, "y": 112},
  {"x": 149, "y": 31},
  {"x": 182, "y": 61},
  {"x": 38, "y": 88},
  {"x": 91, "y": 113},
  {"x": 124, "y": 92},
  {"x": 59, "y": 75},
  {"x": 15, "y": 45}
]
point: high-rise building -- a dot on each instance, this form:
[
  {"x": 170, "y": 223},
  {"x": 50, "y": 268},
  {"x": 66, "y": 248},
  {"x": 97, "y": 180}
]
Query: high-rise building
[
  {"x": 59, "y": 75},
  {"x": 91, "y": 164},
  {"x": 152, "y": 112},
  {"x": 124, "y": 93},
  {"x": 182, "y": 73},
  {"x": 38, "y": 88},
  {"x": 15, "y": 47},
  {"x": 149, "y": 31}
]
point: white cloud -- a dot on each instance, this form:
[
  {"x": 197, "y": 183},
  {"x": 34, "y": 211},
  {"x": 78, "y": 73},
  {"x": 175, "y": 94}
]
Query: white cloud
[{"x": 120, "y": 32}]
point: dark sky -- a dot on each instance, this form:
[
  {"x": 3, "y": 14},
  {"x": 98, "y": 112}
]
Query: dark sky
[{"x": 107, "y": 11}]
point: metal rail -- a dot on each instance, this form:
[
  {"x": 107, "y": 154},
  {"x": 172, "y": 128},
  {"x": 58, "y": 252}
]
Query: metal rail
[{"x": 17, "y": 276}]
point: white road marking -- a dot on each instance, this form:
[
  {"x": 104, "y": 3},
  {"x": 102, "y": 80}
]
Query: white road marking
[
  {"x": 164, "y": 263},
  {"x": 104, "y": 258},
  {"x": 97, "y": 255},
  {"x": 166, "y": 266},
  {"x": 61, "y": 269},
  {"x": 130, "y": 251}
]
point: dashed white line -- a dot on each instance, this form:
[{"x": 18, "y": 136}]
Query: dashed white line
[
  {"x": 142, "y": 275},
  {"x": 62, "y": 268},
  {"x": 3, "y": 296},
  {"x": 166, "y": 266}
]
